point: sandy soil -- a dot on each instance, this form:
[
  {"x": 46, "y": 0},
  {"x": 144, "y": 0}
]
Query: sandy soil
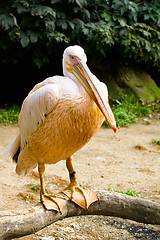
[{"x": 126, "y": 160}]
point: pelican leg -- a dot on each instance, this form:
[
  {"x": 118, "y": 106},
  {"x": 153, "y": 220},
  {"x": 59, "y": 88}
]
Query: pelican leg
[
  {"x": 81, "y": 196},
  {"x": 50, "y": 202}
]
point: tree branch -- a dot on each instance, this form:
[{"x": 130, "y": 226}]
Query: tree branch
[{"x": 18, "y": 224}]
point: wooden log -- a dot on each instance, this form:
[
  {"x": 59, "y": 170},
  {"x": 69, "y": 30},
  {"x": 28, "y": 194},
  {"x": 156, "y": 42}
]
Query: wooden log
[{"x": 18, "y": 224}]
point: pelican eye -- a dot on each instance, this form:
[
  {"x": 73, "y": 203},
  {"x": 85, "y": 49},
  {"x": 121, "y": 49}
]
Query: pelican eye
[{"x": 74, "y": 59}]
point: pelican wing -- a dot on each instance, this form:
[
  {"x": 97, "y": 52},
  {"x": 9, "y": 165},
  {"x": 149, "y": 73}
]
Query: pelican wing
[{"x": 38, "y": 104}]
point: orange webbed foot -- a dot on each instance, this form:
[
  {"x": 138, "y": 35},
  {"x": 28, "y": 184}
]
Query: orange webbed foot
[
  {"x": 81, "y": 196},
  {"x": 53, "y": 202}
]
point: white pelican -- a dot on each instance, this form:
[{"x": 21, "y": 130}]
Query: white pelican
[{"x": 58, "y": 117}]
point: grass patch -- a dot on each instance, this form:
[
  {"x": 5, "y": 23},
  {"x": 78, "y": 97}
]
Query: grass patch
[
  {"x": 36, "y": 187},
  {"x": 129, "y": 109},
  {"x": 157, "y": 142},
  {"x": 129, "y": 192},
  {"x": 146, "y": 121},
  {"x": 10, "y": 114}
]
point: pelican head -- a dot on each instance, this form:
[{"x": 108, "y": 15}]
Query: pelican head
[{"x": 74, "y": 66}]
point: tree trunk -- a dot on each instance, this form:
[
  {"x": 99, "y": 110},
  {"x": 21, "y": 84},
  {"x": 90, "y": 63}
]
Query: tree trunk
[{"x": 18, "y": 224}]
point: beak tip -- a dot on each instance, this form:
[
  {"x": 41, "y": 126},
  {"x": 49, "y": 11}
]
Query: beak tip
[{"x": 115, "y": 129}]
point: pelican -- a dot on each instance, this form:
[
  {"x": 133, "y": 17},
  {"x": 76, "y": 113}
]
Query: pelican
[{"x": 58, "y": 117}]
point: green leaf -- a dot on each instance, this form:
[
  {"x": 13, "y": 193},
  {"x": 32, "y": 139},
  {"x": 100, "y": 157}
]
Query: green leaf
[
  {"x": 55, "y": 1},
  {"x": 148, "y": 46},
  {"x": 33, "y": 36},
  {"x": 105, "y": 16},
  {"x": 50, "y": 25},
  {"x": 42, "y": 11},
  {"x": 71, "y": 24},
  {"x": 24, "y": 41},
  {"x": 86, "y": 13},
  {"x": 122, "y": 21},
  {"x": 21, "y": 8},
  {"x": 8, "y": 21},
  {"x": 117, "y": 4},
  {"x": 62, "y": 23},
  {"x": 80, "y": 3}
]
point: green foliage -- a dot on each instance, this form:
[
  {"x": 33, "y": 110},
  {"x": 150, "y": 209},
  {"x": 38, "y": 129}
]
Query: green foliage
[
  {"x": 131, "y": 29},
  {"x": 36, "y": 187},
  {"x": 129, "y": 109},
  {"x": 9, "y": 115},
  {"x": 157, "y": 142},
  {"x": 129, "y": 192}
]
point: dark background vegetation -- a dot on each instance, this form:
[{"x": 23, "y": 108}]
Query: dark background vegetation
[{"x": 34, "y": 34}]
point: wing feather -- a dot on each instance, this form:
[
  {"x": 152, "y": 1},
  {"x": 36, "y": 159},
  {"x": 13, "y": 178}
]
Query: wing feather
[{"x": 37, "y": 105}]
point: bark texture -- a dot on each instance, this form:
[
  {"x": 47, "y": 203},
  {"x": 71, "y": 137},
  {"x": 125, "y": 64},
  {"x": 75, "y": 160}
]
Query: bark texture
[{"x": 18, "y": 224}]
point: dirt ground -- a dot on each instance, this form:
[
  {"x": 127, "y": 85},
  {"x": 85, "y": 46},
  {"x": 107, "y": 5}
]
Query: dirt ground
[{"x": 125, "y": 160}]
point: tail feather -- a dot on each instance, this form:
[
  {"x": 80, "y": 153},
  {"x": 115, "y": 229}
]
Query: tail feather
[
  {"x": 13, "y": 148},
  {"x": 15, "y": 157}
]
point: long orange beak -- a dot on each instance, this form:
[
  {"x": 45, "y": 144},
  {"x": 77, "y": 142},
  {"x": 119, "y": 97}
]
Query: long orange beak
[{"x": 92, "y": 86}]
